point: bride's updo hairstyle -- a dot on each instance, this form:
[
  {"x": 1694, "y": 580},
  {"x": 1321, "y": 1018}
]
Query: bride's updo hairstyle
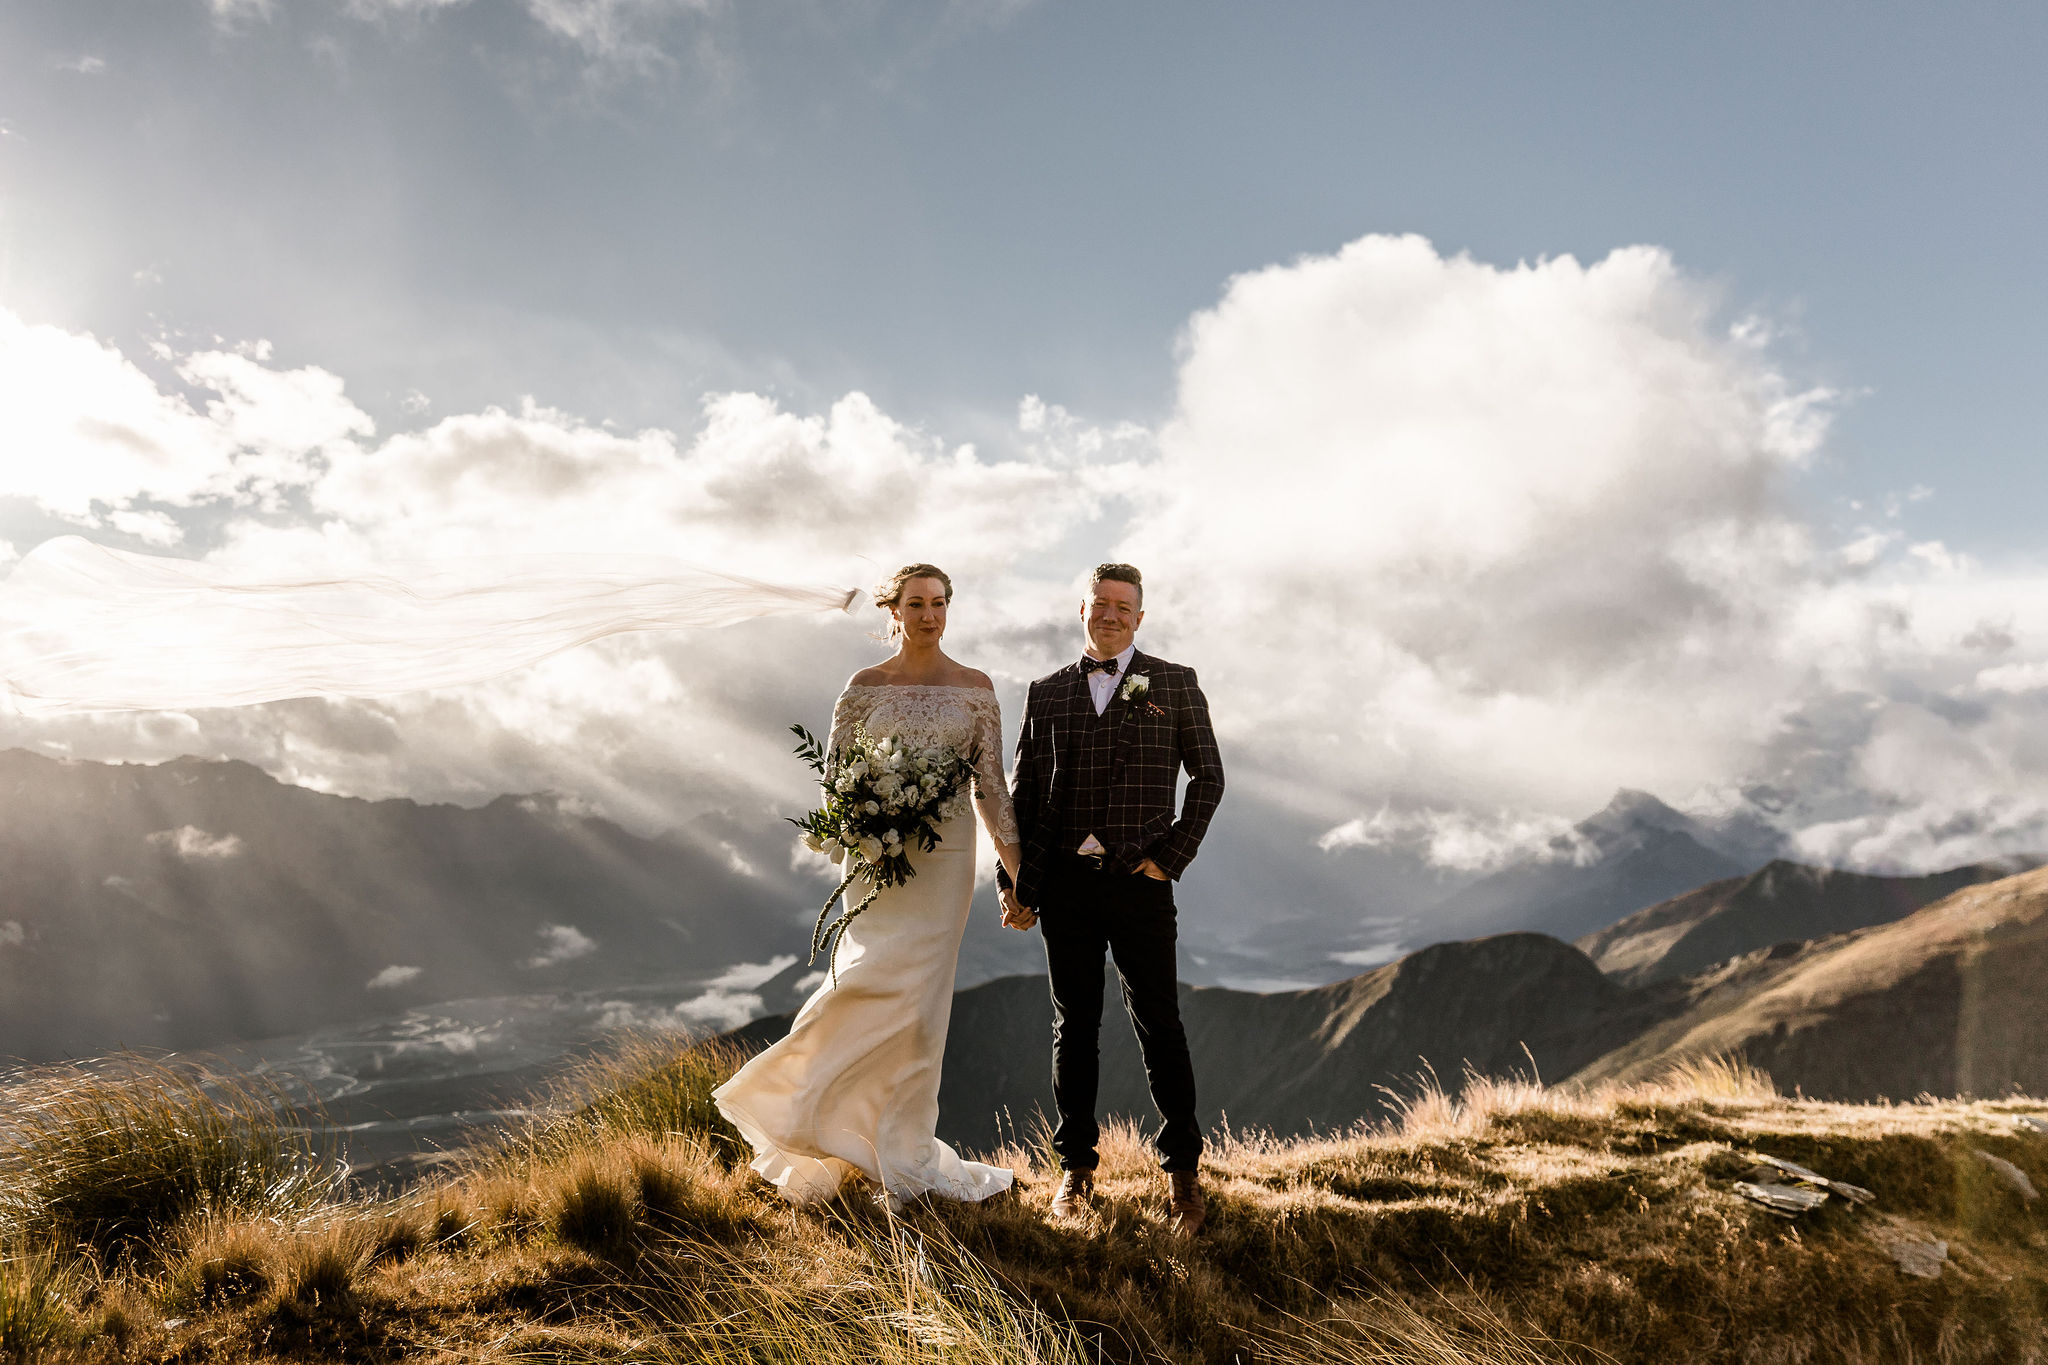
[{"x": 888, "y": 594}]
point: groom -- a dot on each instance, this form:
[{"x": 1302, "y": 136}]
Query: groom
[{"x": 1101, "y": 750}]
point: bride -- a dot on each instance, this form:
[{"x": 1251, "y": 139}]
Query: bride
[{"x": 854, "y": 1087}]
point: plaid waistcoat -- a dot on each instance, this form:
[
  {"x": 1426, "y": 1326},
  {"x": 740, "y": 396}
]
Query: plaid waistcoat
[
  {"x": 1083, "y": 806},
  {"x": 1147, "y": 740}
]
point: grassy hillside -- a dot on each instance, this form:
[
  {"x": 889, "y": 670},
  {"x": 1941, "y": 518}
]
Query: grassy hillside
[
  {"x": 1944, "y": 1001},
  {"x": 1782, "y": 902},
  {"x": 150, "y": 1217}
]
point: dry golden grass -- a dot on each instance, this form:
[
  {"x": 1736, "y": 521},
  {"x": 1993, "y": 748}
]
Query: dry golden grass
[
  {"x": 646, "y": 1086},
  {"x": 1511, "y": 1224},
  {"x": 111, "y": 1156}
]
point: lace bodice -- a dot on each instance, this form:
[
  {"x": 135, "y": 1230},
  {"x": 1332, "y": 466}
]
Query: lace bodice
[{"x": 967, "y": 718}]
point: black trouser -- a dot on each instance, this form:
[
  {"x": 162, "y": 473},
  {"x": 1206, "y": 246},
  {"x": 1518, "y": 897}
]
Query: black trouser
[{"x": 1087, "y": 913}]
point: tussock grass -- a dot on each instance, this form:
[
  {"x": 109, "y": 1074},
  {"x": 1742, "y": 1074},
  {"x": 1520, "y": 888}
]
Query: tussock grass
[
  {"x": 1512, "y": 1223},
  {"x": 596, "y": 1209},
  {"x": 892, "y": 1294},
  {"x": 323, "y": 1265},
  {"x": 111, "y": 1155},
  {"x": 219, "y": 1262},
  {"x": 1716, "y": 1077},
  {"x": 645, "y": 1085},
  {"x": 1387, "y": 1329},
  {"x": 35, "y": 1315}
]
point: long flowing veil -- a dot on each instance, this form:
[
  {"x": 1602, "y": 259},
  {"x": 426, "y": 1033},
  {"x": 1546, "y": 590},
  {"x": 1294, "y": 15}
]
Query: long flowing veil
[{"x": 86, "y": 628}]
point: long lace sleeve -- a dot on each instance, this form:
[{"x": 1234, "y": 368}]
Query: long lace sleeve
[
  {"x": 991, "y": 789},
  {"x": 850, "y": 710}
]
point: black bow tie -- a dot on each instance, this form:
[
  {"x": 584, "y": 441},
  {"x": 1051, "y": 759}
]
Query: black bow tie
[{"x": 1088, "y": 666}]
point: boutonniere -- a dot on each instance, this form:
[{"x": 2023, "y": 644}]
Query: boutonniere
[{"x": 1137, "y": 690}]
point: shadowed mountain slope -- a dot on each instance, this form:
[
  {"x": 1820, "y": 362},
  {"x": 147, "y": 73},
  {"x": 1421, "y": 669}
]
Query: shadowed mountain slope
[
  {"x": 1782, "y": 902},
  {"x": 1947, "y": 1001},
  {"x": 192, "y": 902}
]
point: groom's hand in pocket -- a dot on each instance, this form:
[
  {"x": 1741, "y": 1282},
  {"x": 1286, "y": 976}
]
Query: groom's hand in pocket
[{"x": 1153, "y": 870}]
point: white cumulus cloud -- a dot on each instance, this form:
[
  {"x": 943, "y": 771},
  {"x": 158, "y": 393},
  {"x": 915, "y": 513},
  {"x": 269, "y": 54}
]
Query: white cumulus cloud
[
  {"x": 229, "y": 13},
  {"x": 1505, "y": 507},
  {"x": 195, "y": 845},
  {"x": 1524, "y": 536},
  {"x": 1463, "y": 840},
  {"x": 390, "y": 977},
  {"x": 1459, "y": 549},
  {"x": 563, "y": 943},
  {"x": 89, "y": 433}
]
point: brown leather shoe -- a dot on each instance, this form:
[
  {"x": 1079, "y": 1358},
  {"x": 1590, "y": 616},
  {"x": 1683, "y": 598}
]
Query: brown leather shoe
[
  {"x": 1186, "y": 1207},
  {"x": 1075, "y": 1194}
]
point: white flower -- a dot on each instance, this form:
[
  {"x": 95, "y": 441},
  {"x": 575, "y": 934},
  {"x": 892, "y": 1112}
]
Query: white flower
[
  {"x": 1135, "y": 686},
  {"x": 832, "y": 849},
  {"x": 873, "y": 808},
  {"x": 871, "y": 849},
  {"x": 891, "y": 838},
  {"x": 814, "y": 843}
]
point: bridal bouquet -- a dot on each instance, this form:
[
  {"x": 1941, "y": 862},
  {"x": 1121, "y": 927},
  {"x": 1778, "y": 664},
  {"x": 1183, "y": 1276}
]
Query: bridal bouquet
[{"x": 882, "y": 797}]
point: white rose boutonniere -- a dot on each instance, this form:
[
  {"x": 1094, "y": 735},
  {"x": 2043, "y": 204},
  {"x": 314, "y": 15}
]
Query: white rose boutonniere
[{"x": 1137, "y": 690}]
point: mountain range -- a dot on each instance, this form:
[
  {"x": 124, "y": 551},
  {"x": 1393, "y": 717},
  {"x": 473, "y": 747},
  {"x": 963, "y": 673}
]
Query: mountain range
[
  {"x": 200, "y": 903},
  {"x": 1778, "y": 903},
  {"x": 1635, "y": 852},
  {"x": 1945, "y": 1000},
  {"x": 197, "y": 903},
  {"x": 192, "y": 903}
]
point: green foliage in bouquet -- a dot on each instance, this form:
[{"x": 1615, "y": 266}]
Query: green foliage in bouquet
[{"x": 882, "y": 797}]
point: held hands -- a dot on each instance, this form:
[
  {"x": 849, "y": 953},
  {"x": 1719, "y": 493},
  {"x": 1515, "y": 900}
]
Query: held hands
[{"x": 1016, "y": 916}]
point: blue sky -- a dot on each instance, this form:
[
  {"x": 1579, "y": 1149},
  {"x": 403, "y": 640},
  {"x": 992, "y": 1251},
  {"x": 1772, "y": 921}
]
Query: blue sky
[
  {"x": 948, "y": 206},
  {"x": 1714, "y": 470}
]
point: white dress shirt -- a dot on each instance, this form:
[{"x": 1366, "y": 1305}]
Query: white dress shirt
[{"x": 1102, "y": 684}]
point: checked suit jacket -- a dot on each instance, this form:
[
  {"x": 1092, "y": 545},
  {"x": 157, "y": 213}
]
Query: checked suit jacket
[{"x": 1156, "y": 736}]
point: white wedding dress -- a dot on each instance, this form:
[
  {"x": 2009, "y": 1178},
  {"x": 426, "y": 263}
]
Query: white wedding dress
[{"x": 855, "y": 1085}]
